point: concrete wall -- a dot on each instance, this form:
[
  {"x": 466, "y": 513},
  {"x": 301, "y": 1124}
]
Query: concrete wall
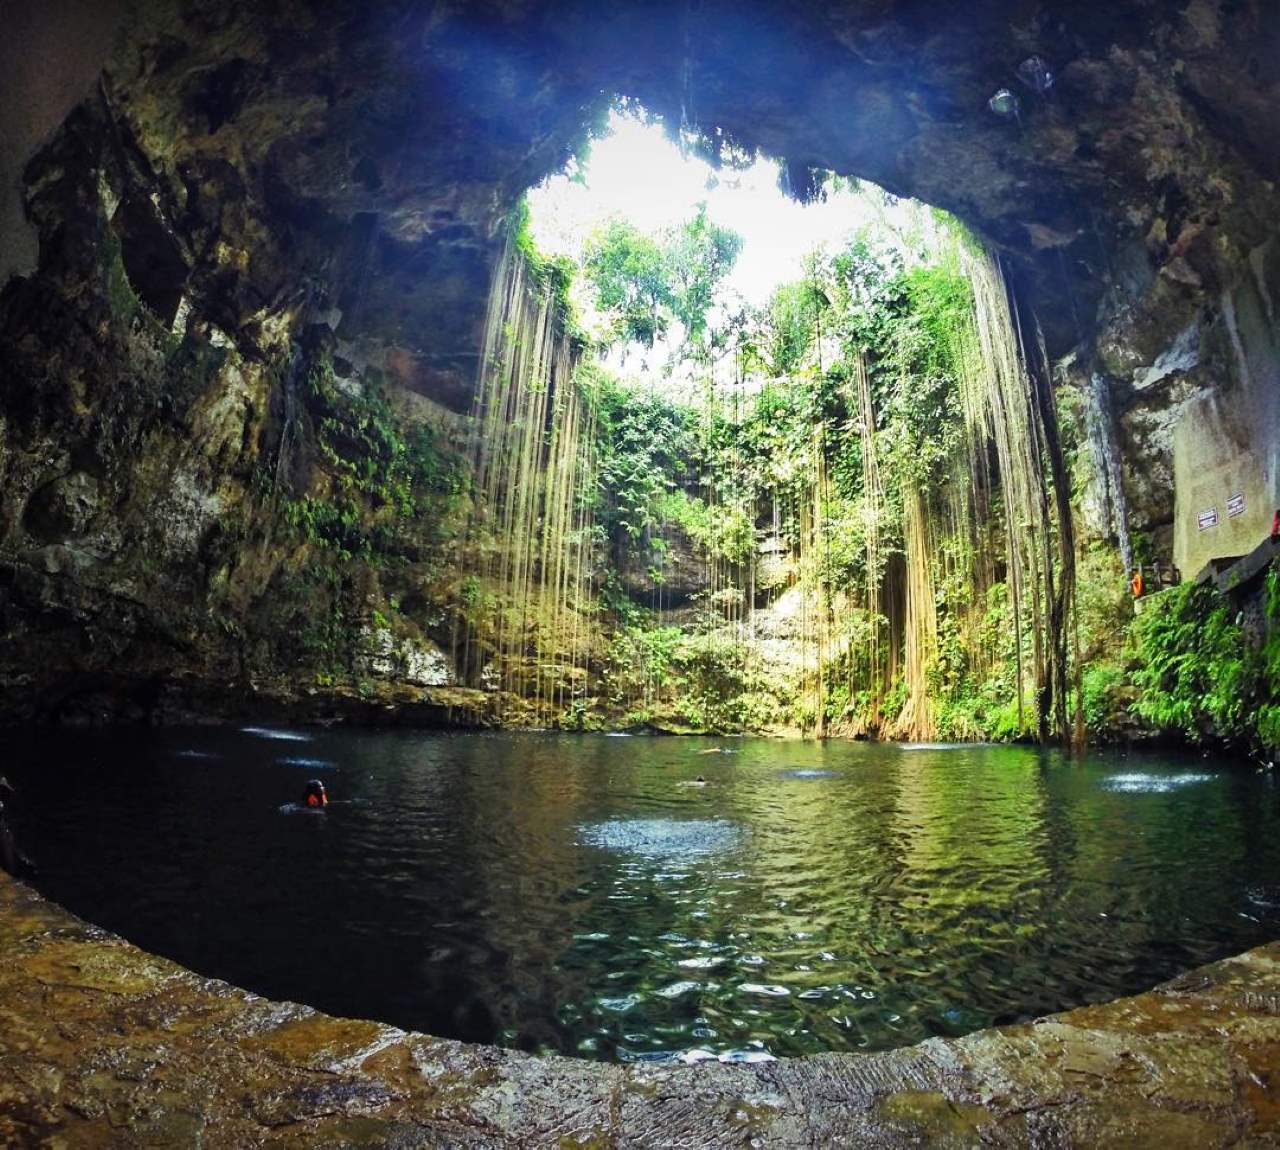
[{"x": 1226, "y": 443}]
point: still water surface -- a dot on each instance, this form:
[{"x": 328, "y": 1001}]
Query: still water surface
[{"x": 583, "y": 894}]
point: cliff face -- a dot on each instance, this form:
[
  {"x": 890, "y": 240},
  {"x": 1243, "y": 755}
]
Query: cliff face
[{"x": 258, "y": 216}]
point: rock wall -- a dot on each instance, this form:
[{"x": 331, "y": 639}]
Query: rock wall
[
  {"x": 251, "y": 194},
  {"x": 1226, "y": 443}
]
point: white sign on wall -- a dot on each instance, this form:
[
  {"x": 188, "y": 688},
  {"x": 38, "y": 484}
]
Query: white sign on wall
[
  {"x": 1207, "y": 519},
  {"x": 1235, "y": 505}
]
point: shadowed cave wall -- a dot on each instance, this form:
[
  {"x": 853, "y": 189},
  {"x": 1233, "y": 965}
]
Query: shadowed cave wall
[{"x": 246, "y": 190}]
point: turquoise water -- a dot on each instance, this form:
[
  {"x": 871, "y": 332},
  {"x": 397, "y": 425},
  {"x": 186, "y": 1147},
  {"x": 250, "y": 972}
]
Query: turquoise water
[{"x": 584, "y": 894}]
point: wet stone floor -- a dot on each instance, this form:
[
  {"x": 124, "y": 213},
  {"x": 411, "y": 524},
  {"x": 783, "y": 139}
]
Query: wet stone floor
[{"x": 102, "y": 1044}]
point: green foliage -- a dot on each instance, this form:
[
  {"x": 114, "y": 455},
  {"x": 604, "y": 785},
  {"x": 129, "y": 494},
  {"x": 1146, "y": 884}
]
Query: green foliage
[
  {"x": 386, "y": 475},
  {"x": 339, "y": 525},
  {"x": 318, "y": 627},
  {"x": 698, "y": 256},
  {"x": 1268, "y": 713},
  {"x": 692, "y": 681},
  {"x": 471, "y": 591},
  {"x": 724, "y": 532},
  {"x": 924, "y": 341},
  {"x": 554, "y": 274},
  {"x": 644, "y": 445},
  {"x": 647, "y": 281},
  {"x": 1104, "y": 603},
  {"x": 785, "y": 330},
  {"x": 1103, "y": 687},
  {"x": 1197, "y": 674},
  {"x": 628, "y": 271}
]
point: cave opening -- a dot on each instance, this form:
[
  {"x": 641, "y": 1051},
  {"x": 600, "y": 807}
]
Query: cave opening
[
  {"x": 152, "y": 258},
  {"x": 759, "y": 429}
]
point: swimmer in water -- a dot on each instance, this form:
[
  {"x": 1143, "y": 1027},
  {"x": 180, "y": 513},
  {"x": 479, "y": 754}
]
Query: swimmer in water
[{"x": 315, "y": 797}]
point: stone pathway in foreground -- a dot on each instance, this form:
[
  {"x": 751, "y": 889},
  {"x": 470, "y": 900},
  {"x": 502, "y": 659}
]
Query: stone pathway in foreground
[{"x": 102, "y": 1044}]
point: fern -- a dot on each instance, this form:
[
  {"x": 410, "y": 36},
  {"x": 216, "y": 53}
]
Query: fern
[{"x": 1198, "y": 673}]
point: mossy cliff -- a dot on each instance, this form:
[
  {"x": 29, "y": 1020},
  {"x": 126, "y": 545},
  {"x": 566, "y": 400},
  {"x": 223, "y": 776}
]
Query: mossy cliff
[{"x": 232, "y": 446}]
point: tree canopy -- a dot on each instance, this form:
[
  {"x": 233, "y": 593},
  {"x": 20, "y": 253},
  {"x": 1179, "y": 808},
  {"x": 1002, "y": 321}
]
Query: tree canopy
[{"x": 644, "y": 282}]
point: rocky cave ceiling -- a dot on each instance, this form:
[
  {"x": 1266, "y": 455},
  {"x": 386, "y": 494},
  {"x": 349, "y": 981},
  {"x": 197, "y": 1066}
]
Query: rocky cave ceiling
[{"x": 353, "y": 162}]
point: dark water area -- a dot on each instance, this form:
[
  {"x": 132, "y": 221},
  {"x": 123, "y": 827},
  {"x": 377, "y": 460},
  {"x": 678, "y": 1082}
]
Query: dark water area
[{"x": 583, "y": 894}]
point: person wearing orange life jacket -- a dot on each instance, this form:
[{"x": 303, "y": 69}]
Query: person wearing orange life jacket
[
  {"x": 315, "y": 797},
  {"x": 1136, "y": 584}
]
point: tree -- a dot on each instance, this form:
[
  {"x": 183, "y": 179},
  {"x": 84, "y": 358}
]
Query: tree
[
  {"x": 628, "y": 271},
  {"x": 645, "y": 282},
  {"x": 785, "y": 325},
  {"x": 782, "y": 334},
  {"x": 699, "y": 255}
]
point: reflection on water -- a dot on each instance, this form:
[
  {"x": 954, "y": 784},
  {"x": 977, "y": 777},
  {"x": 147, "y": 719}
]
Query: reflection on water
[
  {"x": 1144, "y": 783},
  {"x": 940, "y": 746},
  {"x": 662, "y": 838},
  {"x": 277, "y": 733},
  {"x": 575, "y": 894}
]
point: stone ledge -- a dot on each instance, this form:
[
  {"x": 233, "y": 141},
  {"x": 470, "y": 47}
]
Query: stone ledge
[{"x": 102, "y": 1044}]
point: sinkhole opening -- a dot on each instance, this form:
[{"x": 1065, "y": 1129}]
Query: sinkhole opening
[
  {"x": 151, "y": 257},
  {"x": 730, "y": 414}
]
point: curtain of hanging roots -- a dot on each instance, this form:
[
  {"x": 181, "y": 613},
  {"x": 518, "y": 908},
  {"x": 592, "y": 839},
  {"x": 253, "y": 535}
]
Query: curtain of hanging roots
[
  {"x": 523, "y": 620},
  {"x": 523, "y": 613},
  {"x": 872, "y": 510},
  {"x": 1008, "y": 403},
  {"x": 1009, "y": 420}
]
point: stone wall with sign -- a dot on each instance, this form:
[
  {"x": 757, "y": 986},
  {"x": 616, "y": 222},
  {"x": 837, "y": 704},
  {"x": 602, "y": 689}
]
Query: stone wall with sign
[{"x": 1226, "y": 444}]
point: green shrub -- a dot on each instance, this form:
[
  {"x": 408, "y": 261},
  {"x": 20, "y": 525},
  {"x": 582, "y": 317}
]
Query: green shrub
[
  {"x": 1101, "y": 684},
  {"x": 1268, "y": 717},
  {"x": 1197, "y": 673}
]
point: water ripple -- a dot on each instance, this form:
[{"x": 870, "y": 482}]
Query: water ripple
[
  {"x": 662, "y": 838},
  {"x": 559, "y": 893}
]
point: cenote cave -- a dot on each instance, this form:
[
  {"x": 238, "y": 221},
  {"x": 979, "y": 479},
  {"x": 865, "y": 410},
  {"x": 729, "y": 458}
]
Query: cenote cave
[{"x": 670, "y": 574}]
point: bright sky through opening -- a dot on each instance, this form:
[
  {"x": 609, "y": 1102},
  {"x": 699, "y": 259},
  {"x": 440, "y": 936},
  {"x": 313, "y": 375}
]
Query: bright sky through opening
[{"x": 637, "y": 173}]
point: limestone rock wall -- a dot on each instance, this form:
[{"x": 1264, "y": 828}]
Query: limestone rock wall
[
  {"x": 1226, "y": 444},
  {"x": 248, "y": 192}
]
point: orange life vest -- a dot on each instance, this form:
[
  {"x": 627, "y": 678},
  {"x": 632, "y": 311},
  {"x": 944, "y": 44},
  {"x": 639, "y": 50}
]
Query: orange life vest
[{"x": 1136, "y": 583}]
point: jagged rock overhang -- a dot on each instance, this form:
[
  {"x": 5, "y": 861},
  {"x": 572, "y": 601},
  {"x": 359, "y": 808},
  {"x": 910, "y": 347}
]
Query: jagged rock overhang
[{"x": 374, "y": 150}]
